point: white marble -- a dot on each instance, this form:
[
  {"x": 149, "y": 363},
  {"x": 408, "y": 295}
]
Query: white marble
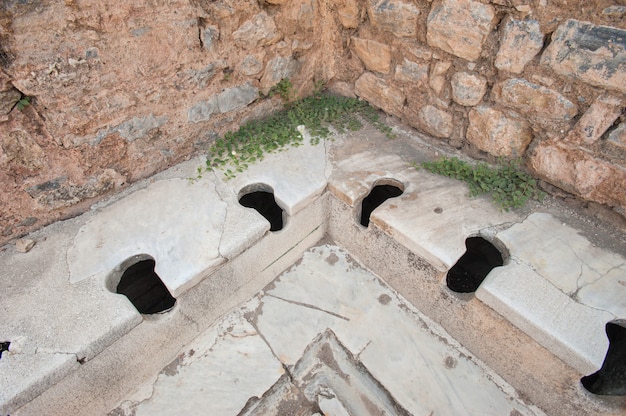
[
  {"x": 216, "y": 374},
  {"x": 297, "y": 175}
]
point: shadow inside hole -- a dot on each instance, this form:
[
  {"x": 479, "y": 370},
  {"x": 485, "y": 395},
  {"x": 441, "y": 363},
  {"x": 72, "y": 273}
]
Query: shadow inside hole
[
  {"x": 265, "y": 204},
  {"x": 378, "y": 195},
  {"x": 610, "y": 380},
  {"x": 471, "y": 269},
  {"x": 143, "y": 287},
  {"x": 4, "y": 346}
]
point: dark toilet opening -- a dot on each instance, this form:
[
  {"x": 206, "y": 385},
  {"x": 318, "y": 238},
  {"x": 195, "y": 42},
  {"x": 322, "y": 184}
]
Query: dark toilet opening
[
  {"x": 4, "y": 346},
  {"x": 143, "y": 287},
  {"x": 473, "y": 266},
  {"x": 265, "y": 204},
  {"x": 610, "y": 380},
  {"x": 378, "y": 195}
]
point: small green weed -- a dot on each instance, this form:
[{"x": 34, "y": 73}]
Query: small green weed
[
  {"x": 23, "y": 102},
  {"x": 509, "y": 186},
  {"x": 284, "y": 89},
  {"x": 234, "y": 152}
]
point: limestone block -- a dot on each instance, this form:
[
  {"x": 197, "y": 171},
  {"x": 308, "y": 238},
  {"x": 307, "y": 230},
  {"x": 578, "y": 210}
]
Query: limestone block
[
  {"x": 580, "y": 173},
  {"x": 395, "y": 16},
  {"x": 460, "y": 27},
  {"x": 468, "y": 89},
  {"x": 378, "y": 93},
  {"x": 209, "y": 35},
  {"x": 435, "y": 121},
  {"x": 411, "y": 72},
  {"x": 258, "y": 31},
  {"x": 596, "y": 121},
  {"x": 376, "y": 56},
  {"x": 21, "y": 149},
  {"x": 236, "y": 97},
  {"x": 251, "y": 65},
  {"x": 496, "y": 133},
  {"x": 276, "y": 69},
  {"x": 534, "y": 100},
  {"x": 617, "y": 137},
  {"x": 349, "y": 14},
  {"x": 521, "y": 41},
  {"x": 437, "y": 79},
  {"x": 202, "y": 111},
  {"x": 591, "y": 53}
]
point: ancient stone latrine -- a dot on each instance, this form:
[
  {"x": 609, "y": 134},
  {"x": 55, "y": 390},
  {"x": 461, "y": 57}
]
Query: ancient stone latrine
[{"x": 97, "y": 94}]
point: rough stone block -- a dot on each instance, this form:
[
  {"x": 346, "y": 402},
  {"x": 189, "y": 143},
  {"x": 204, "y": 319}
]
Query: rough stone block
[
  {"x": 534, "y": 100},
  {"x": 375, "y": 55},
  {"x": 468, "y": 89},
  {"x": 8, "y": 99},
  {"x": 460, "y": 27},
  {"x": 395, "y": 16},
  {"x": 580, "y": 173},
  {"x": 437, "y": 79},
  {"x": 349, "y": 14},
  {"x": 276, "y": 69},
  {"x": 496, "y": 133},
  {"x": 591, "y": 53},
  {"x": 521, "y": 41},
  {"x": 378, "y": 93},
  {"x": 435, "y": 121},
  {"x": 256, "y": 32},
  {"x": 251, "y": 65},
  {"x": 411, "y": 72},
  {"x": 596, "y": 121},
  {"x": 236, "y": 97}
]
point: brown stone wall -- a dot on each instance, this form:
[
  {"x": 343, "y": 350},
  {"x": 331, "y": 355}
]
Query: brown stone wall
[{"x": 121, "y": 90}]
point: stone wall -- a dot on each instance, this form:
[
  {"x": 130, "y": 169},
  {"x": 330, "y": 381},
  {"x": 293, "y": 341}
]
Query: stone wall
[{"x": 121, "y": 90}]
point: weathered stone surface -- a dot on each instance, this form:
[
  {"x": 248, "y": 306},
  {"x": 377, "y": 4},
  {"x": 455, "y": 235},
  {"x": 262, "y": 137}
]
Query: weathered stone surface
[
  {"x": 412, "y": 72},
  {"x": 580, "y": 173},
  {"x": 494, "y": 132},
  {"x": 395, "y": 16},
  {"x": 237, "y": 97},
  {"x": 133, "y": 129},
  {"x": 251, "y": 65},
  {"x": 534, "y": 100},
  {"x": 349, "y": 14},
  {"x": 591, "y": 53},
  {"x": 20, "y": 149},
  {"x": 70, "y": 194},
  {"x": 375, "y": 55},
  {"x": 276, "y": 69},
  {"x": 8, "y": 99},
  {"x": 379, "y": 93},
  {"x": 468, "y": 89},
  {"x": 209, "y": 34},
  {"x": 521, "y": 41},
  {"x": 460, "y": 27},
  {"x": 229, "y": 100},
  {"x": 435, "y": 121},
  {"x": 24, "y": 245},
  {"x": 618, "y": 136},
  {"x": 437, "y": 76},
  {"x": 596, "y": 121},
  {"x": 258, "y": 31}
]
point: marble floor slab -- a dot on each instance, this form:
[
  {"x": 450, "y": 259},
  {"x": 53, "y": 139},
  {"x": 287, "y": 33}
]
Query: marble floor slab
[{"x": 328, "y": 337}]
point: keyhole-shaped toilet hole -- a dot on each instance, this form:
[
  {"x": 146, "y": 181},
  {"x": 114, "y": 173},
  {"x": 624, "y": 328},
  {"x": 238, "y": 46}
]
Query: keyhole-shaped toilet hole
[
  {"x": 379, "y": 194},
  {"x": 144, "y": 288},
  {"x": 471, "y": 269},
  {"x": 260, "y": 197},
  {"x": 610, "y": 380}
]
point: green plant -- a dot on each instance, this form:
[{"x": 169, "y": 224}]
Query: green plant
[
  {"x": 284, "y": 88},
  {"x": 234, "y": 152},
  {"x": 508, "y": 185},
  {"x": 23, "y": 102}
]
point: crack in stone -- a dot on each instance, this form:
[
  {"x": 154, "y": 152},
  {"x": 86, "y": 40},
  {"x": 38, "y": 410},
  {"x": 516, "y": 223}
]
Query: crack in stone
[{"x": 308, "y": 305}]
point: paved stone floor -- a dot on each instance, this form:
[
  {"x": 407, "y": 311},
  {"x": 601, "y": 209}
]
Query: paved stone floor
[{"x": 326, "y": 336}]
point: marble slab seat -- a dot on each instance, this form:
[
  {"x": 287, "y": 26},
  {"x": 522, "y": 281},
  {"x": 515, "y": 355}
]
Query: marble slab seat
[
  {"x": 555, "y": 285},
  {"x": 58, "y": 309}
]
